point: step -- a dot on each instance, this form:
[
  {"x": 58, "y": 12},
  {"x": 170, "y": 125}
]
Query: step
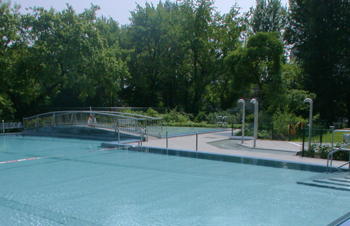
[
  {"x": 328, "y": 181},
  {"x": 324, "y": 185},
  {"x": 342, "y": 179}
]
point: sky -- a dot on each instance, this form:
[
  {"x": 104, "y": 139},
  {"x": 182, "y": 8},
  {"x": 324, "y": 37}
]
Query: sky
[{"x": 119, "y": 10}]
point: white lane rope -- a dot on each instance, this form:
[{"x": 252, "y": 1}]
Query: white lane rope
[{"x": 34, "y": 158}]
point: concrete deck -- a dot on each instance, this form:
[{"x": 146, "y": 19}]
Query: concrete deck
[{"x": 265, "y": 149}]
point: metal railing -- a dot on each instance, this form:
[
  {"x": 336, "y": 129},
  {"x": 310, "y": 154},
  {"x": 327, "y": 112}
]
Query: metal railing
[
  {"x": 335, "y": 150},
  {"x": 117, "y": 121},
  {"x": 10, "y": 125}
]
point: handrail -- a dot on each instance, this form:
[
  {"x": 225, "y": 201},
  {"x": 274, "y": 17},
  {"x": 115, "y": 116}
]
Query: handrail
[
  {"x": 123, "y": 113},
  {"x": 330, "y": 159},
  {"x": 335, "y": 150},
  {"x": 90, "y": 112},
  {"x": 127, "y": 122}
]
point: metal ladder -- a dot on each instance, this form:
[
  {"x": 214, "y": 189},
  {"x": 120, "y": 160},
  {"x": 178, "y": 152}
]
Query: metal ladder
[{"x": 344, "y": 147}]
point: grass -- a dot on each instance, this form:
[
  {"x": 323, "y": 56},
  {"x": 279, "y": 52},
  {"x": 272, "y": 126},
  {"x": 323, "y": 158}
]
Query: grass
[{"x": 326, "y": 138}]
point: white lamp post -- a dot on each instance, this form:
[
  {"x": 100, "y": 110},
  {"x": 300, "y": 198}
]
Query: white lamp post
[
  {"x": 309, "y": 100},
  {"x": 256, "y": 109},
  {"x": 243, "y": 117}
]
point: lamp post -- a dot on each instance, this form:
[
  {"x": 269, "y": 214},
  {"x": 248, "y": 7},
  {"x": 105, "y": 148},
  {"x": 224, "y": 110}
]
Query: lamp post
[
  {"x": 243, "y": 117},
  {"x": 256, "y": 109},
  {"x": 309, "y": 100}
]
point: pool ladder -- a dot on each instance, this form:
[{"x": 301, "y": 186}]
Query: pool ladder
[{"x": 334, "y": 150}]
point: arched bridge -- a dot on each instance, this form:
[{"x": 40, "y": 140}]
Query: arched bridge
[{"x": 104, "y": 125}]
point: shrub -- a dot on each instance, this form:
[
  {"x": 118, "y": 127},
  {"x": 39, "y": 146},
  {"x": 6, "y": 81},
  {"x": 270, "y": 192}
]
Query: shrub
[
  {"x": 152, "y": 113},
  {"x": 201, "y": 117},
  {"x": 318, "y": 150},
  {"x": 175, "y": 116}
]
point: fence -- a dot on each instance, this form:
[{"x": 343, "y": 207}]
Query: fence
[
  {"x": 10, "y": 126},
  {"x": 131, "y": 123}
]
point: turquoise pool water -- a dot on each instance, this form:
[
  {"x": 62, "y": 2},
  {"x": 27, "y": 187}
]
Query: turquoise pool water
[{"x": 80, "y": 183}]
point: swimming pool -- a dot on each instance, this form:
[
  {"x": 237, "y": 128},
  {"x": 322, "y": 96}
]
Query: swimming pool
[{"x": 78, "y": 182}]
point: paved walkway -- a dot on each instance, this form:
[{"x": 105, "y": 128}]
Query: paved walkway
[{"x": 220, "y": 142}]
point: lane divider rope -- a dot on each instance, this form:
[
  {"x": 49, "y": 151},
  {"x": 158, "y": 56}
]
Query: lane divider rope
[{"x": 33, "y": 158}]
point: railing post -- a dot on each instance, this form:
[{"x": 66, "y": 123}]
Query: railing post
[
  {"x": 331, "y": 162},
  {"x": 243, "y": 118},
  {"x": 303, "y": 151},
  {"x": 118, "y": 136},
  {"x": 166, "y": 135},
  {"x": 37, "y": 122},
  {"x": 116, "y": 125},
  {"x": 3, "y": 126},
  {"x": 93, "y": 122},
  {"x": 71, "y": 120},
  {"x": 141, "y": 136},
  {"x": 349, "y": 162},
  {"x": 332, "y": 130},
  {"x": 197, "y": 141},
  {"x": 53, "y": 120},
  {"x": 232, "y": 129},
  {"x": 147, "y": 134},
  {"x": 256, "y": 109}
]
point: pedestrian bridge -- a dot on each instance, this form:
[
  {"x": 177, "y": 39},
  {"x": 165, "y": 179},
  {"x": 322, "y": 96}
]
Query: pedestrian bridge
[{"x": 101, "y": 125}]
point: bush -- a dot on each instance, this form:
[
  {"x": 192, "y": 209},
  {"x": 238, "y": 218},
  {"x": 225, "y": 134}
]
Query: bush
[
  {"x": 201, "y": 117},
  {"x": 262, "y": 134},
  {"x": 322, "y": 150},
  {"x": 175, "y": 116},
  {"x": 212, "y": 118},
  {"x": 152, "y": 113}
]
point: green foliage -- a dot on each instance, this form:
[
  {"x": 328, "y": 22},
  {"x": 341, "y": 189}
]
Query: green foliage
[
  {"x": 178, "y": 54},
  {"x": 268, "y": 16},
  {"x": 326, "y": 65},
  {"x": 262, "y": 134},
  {"x": 6, "y": 107},
  {"x": 200, "y": 117},
  {"x": 174, "y": 116},
  {"x": 287, "y": 124},
  {"x": 75, "y": 53},
  {"x": 212, "y": 118},
  {"x": 318, "y": 150},
  {"x": 13, "y": 48},
  {"x": 152, "y": 113},
  {"x": 259, "y": 64},
  {"x": 183, "y": 54}
]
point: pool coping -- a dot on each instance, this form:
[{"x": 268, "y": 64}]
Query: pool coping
[
  {"x": 268, "y": 162},
  {"x": 343, "y": 219},
  {"x": 194, "y": 133}
]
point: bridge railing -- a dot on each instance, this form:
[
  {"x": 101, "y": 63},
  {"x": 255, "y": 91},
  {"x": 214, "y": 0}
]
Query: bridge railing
[{"x": 116, "y": 121}]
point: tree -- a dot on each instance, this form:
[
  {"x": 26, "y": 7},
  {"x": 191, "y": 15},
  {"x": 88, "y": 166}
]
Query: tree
[
  {"x": 15, "y": 88},
  {"x": 152, "y": 38},
  {"x": 268, "y": 16},
  {"x": 319, "y": 31},
  {"x": 178, "y": 53},
  {"x": 293, "y": 82},
  {"x": 70, "y": 56},
  {"x": 259, "y": 64},
  {"x": 221, "y": 93},
  {"x": 205, "y": 51}
]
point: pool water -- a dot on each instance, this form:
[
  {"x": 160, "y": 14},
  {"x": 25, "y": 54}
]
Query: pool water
[{"x": 80, "y": 183}]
